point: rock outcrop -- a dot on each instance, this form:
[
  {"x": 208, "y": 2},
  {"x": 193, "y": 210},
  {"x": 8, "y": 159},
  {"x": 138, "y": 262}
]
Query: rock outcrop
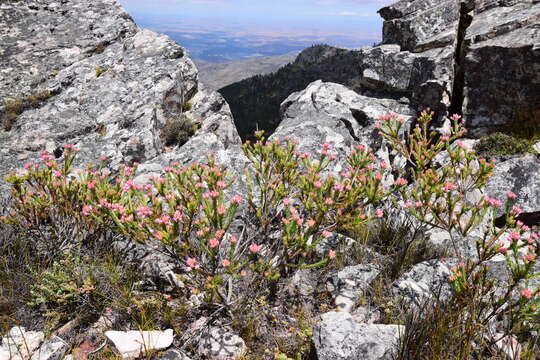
[
  {"x": 102, "y": 84},
  {"x": 453, "y": 56}
]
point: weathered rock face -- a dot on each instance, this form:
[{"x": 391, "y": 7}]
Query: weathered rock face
[
  {"x": 331, "y": 113},
  {"x": 112, "y": 86},
  {"x": 339, "y": 337},
  {"x": 521, "y": 176},
  {"x": 489, "y": 41},
  {"x": 501, "y": 65}
]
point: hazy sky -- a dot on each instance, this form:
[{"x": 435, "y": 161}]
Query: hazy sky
[{"x": 294, "y": 17}]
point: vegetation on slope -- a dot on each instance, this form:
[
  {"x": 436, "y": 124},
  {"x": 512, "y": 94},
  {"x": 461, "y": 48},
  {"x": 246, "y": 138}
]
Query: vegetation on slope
[{"x": 62, "y": 226}]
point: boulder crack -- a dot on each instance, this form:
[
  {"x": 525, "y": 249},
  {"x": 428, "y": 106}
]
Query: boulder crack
[{"x": 462, "y": 46}]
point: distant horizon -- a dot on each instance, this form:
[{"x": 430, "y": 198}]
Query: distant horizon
[{"x": 232, "y": 30}]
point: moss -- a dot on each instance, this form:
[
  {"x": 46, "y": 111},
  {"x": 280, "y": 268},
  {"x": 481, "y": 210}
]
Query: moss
[
  {"x": 100, "y": 71},
  {"x": 178, "y": 131},
  {"x": 503, "y": 144},
  {"x": 16, "y": 106},
  {"x": 187, "y": 106}
]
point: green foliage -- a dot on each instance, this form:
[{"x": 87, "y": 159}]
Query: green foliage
[
  {"x": 16, "y": 106},
  {"x": 62, "y": 286},
  {"x": 177, "y": 131},
  {"x": 503, "y": 144},
  {"x": 187, "y": 106},
  {"x": 100, "y": 71}
]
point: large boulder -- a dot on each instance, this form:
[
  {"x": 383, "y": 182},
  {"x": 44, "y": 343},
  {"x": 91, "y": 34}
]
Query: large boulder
[
  {"x": 101, "y": 83},
  {"x": 332, "y": 113},
  {"x": 501, "y": 65},
  {"x": 339, "y": 337},
  {"x": 520, "y": 175}
]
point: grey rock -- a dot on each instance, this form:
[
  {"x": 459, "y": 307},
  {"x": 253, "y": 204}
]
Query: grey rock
[
  {"x": 339, "y": 337},
  {"x": 421, "y": 24},
  {"x": 304, "y": 283},
  {"x": 331, "y": 113},
  {"x": 349, "y": 284},
  {"x": 19, "y": 344},
  {"x": 53, "y": 349},
  {"x": 521, "y": 176},
  {"x": 221, "y": 344},
  {"x": 502, "y": 57},
  {"x": 144, "y": 80},
  {"x": 173, "y": 354},
  {"x": 424, "y": 281},
  {"x": 366, "y": 314}
]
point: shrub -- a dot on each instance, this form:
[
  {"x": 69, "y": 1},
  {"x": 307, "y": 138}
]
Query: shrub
[
  {"x": 437, "y": 198},
  {"x": 293, "y": 203},
  {"x": 178, "y": 131},
  {"x": 16, "y": 106}
]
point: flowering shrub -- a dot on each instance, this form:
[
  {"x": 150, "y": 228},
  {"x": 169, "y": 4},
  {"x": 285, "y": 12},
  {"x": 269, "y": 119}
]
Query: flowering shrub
[
  {"x": 447, "y": 197},
  {"x": 295, "y": 189}
]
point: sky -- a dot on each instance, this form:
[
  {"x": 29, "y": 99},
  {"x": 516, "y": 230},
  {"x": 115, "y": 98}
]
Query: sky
[
  {"x": 358, "y": 17},
  {"x": 274, "y": 25}
]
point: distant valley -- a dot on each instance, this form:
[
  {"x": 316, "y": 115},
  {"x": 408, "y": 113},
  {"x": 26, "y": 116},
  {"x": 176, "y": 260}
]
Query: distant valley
[{"x": 218, "y": 75}]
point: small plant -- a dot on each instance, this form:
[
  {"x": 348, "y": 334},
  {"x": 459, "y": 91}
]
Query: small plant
[
  {"x": 187, "y": 106},
  {"x": 100, "y": 71},
  {"x": 502, "y": 144},
  {"x": 178, "y": 131},
  {"x": 16, "y": 106}
]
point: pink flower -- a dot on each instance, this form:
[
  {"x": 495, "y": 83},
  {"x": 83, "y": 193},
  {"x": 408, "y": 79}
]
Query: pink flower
[
  {"x": 234, "y": 240},
  {"x": 510, "y": 195},
  {"x": 214, "y": 194},
  {"x": 529, "y": 257},
  {"x": 87, "y": 210},
  {"x": 526, "y": 293},
  {"x": 221, "y": 210},
  {"x": 401, "y": 181},
  {"x": 513, "y": 236},
  {"x": 379, "y": 213},
  {"x": 408, "y": 205},
  {"x": 226, "y": 263},
  {"x": 213, "y": 243},
  {"x": 326, "y": 234},
  {"x": 221, "y": 184},
  {"x": 326, "y": 147},
  {"x": 328, "y": 201},
  {"x": 448, "y": 187},
  {"x": 128, "y": 185},
  {"x": 311, "y": 223},
  {"x": 503, "y": 250},
  {"x": 27, "y": 165},
  {"x": 317, "y": 184},
  {"x": 516, "y": 210},
  {"x": 254, "y": 248},
  {"x": 383, "y": 165},
  {"x": 493, "y": 202},
  {"x": 57, "y": 174},
  {"x": 286, "y": 201},
  {"x": 331, "y": 254},
  {"x": 236, "y": 199}
]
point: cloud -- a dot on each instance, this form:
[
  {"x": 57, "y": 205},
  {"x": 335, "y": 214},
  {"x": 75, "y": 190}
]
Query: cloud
[{"x": 346, "y": 13}]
